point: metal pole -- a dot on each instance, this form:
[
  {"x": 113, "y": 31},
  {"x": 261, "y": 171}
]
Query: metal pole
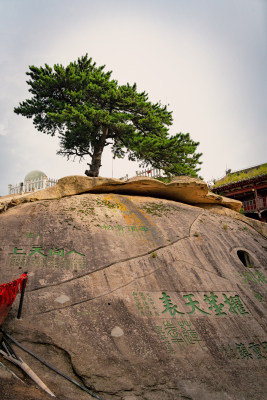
[{"x": 22, "y": 296}]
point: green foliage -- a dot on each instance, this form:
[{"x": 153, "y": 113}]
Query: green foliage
[
  {"x": 239, "y": 176},
  {"x": 164, "y": 179},
  {"x": 89, "y": 110}
]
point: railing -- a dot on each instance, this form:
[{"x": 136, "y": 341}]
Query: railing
[
  {"x": 250, "y": 205},
  {"x": 151, "y": 173},
  {"x": 263, "y": 202},
  {"x": 32, "y": 186}
]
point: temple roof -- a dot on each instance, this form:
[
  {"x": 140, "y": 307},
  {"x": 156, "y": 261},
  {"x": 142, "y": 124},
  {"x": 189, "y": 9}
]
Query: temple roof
[{"x": 241, "y": 175}]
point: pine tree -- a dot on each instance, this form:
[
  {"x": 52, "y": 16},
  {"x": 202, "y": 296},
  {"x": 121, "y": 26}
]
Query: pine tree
[{"x": 89, "y": 110}]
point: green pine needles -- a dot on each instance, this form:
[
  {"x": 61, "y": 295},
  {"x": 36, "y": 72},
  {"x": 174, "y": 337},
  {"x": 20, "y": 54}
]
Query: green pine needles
[{"x": 89, "y": 110}]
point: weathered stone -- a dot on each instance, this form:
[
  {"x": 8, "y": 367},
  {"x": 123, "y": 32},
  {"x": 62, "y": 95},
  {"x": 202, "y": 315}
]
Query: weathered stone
[
  {"x": 183, "y": 188},
  {"x": 137, "y": 297},
  {"x": 261, "y": 227},
  {"x": 117, "y": 332}
]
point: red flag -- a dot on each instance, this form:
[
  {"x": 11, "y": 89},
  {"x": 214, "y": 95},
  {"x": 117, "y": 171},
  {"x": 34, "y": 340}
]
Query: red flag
[{"x": 8, "y": 293}]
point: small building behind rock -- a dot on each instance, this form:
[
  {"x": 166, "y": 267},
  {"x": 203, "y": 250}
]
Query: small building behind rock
[{"x": 33, "y": 181}]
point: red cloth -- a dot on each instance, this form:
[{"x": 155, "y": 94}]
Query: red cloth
[{"x": 8, "y": 293}]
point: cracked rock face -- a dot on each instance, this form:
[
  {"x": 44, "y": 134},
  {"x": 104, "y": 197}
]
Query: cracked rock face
[{"x": 136, "y": 298}]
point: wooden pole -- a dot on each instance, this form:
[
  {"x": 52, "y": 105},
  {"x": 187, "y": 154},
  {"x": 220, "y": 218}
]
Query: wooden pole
[{"x": 28, "y": 371}]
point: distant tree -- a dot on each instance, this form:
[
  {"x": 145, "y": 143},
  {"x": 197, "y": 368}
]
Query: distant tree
[{"x": 89, "y": 110}]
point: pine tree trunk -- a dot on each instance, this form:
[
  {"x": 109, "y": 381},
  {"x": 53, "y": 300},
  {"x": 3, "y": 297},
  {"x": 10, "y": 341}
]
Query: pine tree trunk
[{"x": 97, "y": 154}]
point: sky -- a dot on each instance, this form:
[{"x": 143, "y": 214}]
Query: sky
[{"x": 205, "y": 59}]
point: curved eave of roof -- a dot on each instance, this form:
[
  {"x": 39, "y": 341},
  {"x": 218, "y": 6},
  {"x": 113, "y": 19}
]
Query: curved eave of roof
[{"x": 241, "y": 182}]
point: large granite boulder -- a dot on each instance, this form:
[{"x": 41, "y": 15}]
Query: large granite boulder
[
  {"x": 136, "y": 297},
  {"x": 181, "y": 188}
]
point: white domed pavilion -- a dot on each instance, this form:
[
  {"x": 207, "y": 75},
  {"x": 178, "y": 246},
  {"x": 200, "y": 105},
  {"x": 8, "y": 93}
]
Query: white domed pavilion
[{"x": 33, "y": 181}]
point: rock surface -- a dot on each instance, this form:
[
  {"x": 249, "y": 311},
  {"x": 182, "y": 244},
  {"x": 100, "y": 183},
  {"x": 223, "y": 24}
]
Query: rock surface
[
  {"x": 183, "y": 188},
  {"x": 138, "y": 298}
]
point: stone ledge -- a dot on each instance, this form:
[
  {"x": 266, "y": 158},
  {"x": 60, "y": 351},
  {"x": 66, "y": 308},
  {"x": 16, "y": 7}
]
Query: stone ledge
[{"x": 182, "y": 188}]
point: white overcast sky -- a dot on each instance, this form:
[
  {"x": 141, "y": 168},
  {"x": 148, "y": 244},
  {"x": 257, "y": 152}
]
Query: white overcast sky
[{"x": 206, "y": 59}]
